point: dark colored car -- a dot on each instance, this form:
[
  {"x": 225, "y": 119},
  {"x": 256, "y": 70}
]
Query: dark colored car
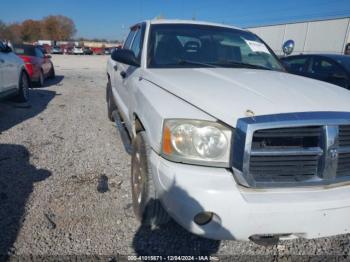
[
  {"x": 87, "y": 51},
  {"x": 331, "y": 68},
  {"x": 38, "y": 65}
]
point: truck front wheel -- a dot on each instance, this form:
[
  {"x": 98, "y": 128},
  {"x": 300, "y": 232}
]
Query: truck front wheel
[{"x": 147, "y": 206}]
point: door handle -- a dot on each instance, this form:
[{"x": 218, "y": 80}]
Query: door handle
[{"x": 123, "y": 74}]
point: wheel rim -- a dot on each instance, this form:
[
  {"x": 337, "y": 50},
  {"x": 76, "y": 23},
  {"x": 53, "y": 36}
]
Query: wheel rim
[
  {"x": 25, "y": 86},
  {"x": 137, "y": 178}
]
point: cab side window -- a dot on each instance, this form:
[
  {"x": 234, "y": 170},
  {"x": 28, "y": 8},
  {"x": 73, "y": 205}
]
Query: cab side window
[
  {"x": 129, "y": 39},
  {"x": 136, "y": 44}
]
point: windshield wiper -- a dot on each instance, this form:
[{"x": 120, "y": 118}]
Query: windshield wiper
[
  {"x": 190, "y": 62},
  {"x": 241, "y": 64}
]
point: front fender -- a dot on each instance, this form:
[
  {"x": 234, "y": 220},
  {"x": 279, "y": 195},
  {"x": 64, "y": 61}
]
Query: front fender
[{"x": 152, "y": 105}]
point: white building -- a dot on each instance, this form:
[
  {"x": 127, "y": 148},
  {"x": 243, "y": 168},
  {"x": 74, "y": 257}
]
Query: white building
[{"x": 319, "y": 36}]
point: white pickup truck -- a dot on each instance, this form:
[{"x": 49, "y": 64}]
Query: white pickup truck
[{"x": 226, "y": 142}]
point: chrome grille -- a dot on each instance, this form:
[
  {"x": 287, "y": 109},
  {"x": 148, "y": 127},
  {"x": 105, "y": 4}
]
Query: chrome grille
[
  {"x": 281, "y": 168},
  {"x": 286, "y": 154},
  {"x": 292, "y": 149},
  {"x": 343, "y": 165},
  {"x": 343, "y": 169},
  {"x": 344, "y": 136}
]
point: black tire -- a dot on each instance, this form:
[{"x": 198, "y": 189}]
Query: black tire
[
  {"x": 52, "y": 73},
  {"x": 24, "y": 85},
  {"x": 110, "y": 102},
  {"x": 146, "y": 204},
  {"x": 41, "y": 79}
]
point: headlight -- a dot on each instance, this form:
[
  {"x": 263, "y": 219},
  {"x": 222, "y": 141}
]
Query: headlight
[{"x": 196, "y": 142}]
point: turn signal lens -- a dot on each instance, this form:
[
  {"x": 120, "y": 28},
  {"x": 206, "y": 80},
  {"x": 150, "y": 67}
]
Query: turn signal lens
[{"x": 167, "y": 141}]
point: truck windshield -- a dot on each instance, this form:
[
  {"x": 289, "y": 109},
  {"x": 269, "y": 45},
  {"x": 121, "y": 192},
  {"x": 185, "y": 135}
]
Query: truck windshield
[{"x": 191, "y": 45}]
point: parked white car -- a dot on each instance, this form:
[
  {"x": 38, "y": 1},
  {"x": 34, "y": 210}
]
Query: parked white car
[
  {"x": 78, "y": 50},
  {"x": 14, "y": 80},
  {"x": 224, "y": 140}
]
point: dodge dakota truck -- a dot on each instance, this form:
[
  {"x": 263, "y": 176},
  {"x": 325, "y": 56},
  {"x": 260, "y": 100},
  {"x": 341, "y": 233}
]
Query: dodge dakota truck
[{"x": 225, "y": 141}]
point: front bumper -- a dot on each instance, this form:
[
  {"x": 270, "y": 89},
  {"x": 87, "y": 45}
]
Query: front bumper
[{"x": 186, "y": 190}]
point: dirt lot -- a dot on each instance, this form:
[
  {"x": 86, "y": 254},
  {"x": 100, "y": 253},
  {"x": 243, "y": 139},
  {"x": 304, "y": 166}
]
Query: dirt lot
[{"x": 64, "y": 180}]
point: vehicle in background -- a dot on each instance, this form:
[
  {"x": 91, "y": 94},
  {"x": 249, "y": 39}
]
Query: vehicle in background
[
  {"x": 77, "y": 50},
  {"x": 57, "y": 50},
  {"x": 68, "y": 50},
  {"x": 331, "y": 68},
  {"x": 14, "y": 79},
  {"x": 97, "y": 50},
  {"x": 107, "y": 51},
  {"x": 347, "y": 49},
  {"x": 224, "y": 140},
  {"x": 46, "y": 49},
  {"x": 87, "y": 51},
  {"x": 38, "y": 65}
]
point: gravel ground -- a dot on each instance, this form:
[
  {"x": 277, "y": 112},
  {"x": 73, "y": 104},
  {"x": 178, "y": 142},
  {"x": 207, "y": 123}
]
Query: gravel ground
[{"x": 64, "y": 181}]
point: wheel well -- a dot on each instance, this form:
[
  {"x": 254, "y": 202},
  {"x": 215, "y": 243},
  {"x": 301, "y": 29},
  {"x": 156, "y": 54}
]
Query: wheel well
[{"x": 138, "y": 126}]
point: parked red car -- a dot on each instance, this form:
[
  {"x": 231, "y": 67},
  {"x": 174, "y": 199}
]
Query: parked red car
[
  {"x": 38, "y": 65},
  {"x": 97, "y": 50}
]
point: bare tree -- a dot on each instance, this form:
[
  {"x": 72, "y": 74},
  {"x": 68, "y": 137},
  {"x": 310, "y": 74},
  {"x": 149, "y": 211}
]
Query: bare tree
[
  {"x": 51, "y": 27},
  {"x": 58, "y": 28},
  {"x": 10, "y": 32},
  {"x": 31, "y": 30}
]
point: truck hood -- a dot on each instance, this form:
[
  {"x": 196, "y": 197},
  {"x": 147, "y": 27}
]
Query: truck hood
[{"x": 227, "y": 93}]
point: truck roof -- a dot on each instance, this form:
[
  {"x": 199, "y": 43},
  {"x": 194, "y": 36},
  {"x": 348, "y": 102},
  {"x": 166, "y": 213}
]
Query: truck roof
[{"x": 194, "y": 22}]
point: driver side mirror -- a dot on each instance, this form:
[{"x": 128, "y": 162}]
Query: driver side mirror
[
  {"x": 288, "y": 47},
  {"x": 125, "y": 56}
]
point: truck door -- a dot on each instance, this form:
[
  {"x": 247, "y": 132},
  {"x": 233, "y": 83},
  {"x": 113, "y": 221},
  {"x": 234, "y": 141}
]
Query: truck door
[
  {"x": 117, "y": 79},
  {"x": 131, "y": 74},
  {"x": 126, "y": 75}
]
